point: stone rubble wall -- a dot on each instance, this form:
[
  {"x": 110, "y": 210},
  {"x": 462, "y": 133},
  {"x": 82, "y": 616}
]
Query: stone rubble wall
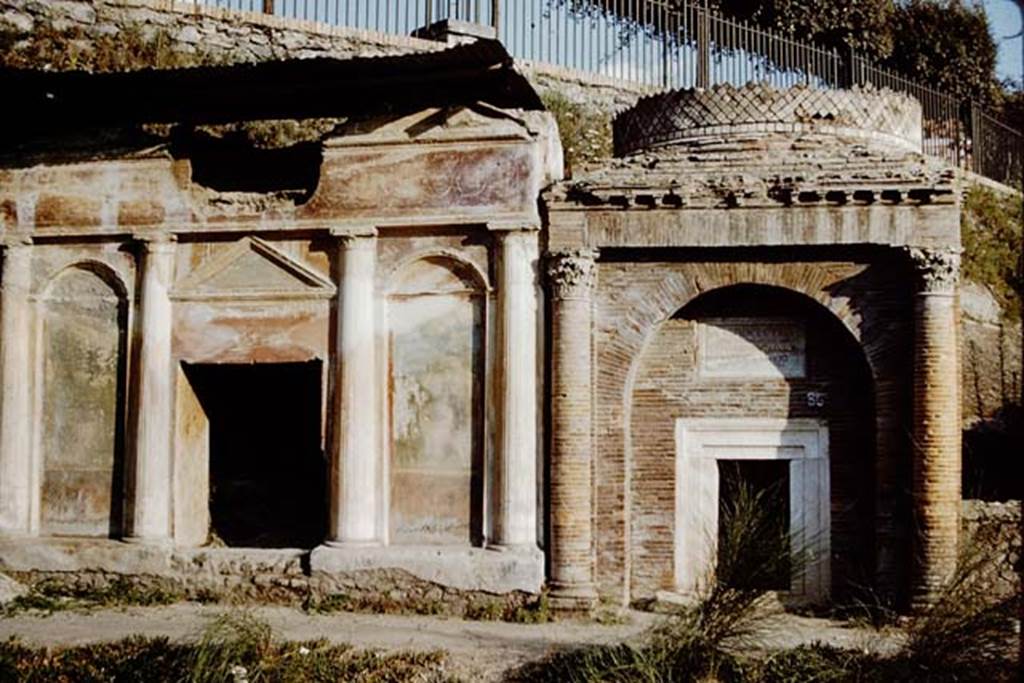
[
  {"x": 251, "y": 577},
  {"x": 994, "y": 528},
  {"x": 207, "y": 34},
  {"x": 991, "y": 355},
  {"x": 203, "y": 34}
]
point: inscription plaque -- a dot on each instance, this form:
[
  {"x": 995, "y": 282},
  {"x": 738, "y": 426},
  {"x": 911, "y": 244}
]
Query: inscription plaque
[{"x": 752, "y": 348}]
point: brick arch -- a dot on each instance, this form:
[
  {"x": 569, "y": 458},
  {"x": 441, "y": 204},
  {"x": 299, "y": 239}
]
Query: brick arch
[{"x": 643, "y": 308}]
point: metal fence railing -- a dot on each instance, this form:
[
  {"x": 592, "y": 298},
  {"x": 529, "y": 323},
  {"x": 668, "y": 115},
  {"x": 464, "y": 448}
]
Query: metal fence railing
[{"x": 666, "y": 44}]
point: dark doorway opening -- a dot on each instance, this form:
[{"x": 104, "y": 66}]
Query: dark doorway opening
[
  {"x": 753, "y": 524},
  {"x": 268, "y": 475}
]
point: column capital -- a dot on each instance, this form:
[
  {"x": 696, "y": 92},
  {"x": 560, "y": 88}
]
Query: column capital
[
  {"x": 512, "y": 227},
  {"x": 353, "y": 233},
  {"x": 938, "y": 269},
  {"x": 349, "y": 240},
  {"x": 571, "y": 273},
  {"x": 154, "y": 242},
  {"x": 14, "y": 241}
]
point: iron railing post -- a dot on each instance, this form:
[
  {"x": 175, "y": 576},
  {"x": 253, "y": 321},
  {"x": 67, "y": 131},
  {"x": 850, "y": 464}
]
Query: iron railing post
[
  {"x": 496, "y": 16},
  {"x": 268, "y": 6},
  {"x": 703, "y": 47},
  {"x": 849, "y": 68},
  {"x": 977, "y": 142}
]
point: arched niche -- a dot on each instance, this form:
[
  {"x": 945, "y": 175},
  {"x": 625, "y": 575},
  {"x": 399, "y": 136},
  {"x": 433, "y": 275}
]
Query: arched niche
[
  {"x": 84, "y": 320},
  {"x": 436, "y": 318},
  {"x": 752, "y": 381}
]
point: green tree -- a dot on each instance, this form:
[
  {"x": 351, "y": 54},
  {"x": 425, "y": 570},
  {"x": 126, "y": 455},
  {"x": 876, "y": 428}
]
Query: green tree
[
  {"x": 948, "y": 44},
  {"x": 863, "y": 25}
]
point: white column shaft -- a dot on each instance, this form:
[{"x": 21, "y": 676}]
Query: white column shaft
[
  {"x": 15, "y": 399},
  {"x": 356, "y": 465},
  {"x": 153, "y": 477},
  {"x": 515, "y": 522}
]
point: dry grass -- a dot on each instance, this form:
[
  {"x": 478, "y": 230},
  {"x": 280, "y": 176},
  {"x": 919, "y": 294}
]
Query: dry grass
[{"x": 235, "y": 648}]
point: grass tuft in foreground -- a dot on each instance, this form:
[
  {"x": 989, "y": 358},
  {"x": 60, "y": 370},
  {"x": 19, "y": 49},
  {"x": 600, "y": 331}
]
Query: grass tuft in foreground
[
  {"x": 233, "y": 648},
  {"x": 966, "y": 636}
]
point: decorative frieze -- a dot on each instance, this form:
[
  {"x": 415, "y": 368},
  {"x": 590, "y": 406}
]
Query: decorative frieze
[
  {"x": 571, "y": 274},
  {"x": 938, "y": 269}
]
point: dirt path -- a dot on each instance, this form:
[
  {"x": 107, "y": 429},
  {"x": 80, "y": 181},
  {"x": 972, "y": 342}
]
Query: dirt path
[{"x": 479, "y": 650}]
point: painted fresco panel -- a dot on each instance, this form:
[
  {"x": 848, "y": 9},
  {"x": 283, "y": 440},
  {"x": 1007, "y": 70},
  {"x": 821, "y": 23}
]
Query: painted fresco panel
[
  {"x": 436, "y": 387},
  {"x": 81, "y": 431},
  {"x": 406, "y": 181}
]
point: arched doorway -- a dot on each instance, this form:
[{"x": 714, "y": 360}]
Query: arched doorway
[{"x": 738, "y": 379}]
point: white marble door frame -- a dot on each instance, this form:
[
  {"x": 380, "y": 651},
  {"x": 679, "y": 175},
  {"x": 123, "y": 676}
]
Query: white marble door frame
[{"x": 701, "y": 443}]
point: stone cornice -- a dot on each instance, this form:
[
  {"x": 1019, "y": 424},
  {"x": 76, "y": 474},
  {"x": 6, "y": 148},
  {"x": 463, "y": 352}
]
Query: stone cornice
[
  {"x": 644, "y": 191},
  {"x": 571, "y": 274},
  {"x": 938, "y": 269}
]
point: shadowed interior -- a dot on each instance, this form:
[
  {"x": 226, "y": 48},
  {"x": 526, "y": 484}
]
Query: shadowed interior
[{"x": 267, "y": 468}]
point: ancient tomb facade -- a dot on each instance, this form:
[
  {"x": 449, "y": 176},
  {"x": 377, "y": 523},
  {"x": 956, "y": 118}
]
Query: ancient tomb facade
[
  {"x": 330, "y": 342},
  {"x": 761, "y": 288},
  {"x": 348, "y": 311}
]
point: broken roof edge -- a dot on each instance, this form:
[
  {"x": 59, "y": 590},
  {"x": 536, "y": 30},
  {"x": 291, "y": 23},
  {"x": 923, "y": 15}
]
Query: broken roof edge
[{"x": 481, "y": 71}]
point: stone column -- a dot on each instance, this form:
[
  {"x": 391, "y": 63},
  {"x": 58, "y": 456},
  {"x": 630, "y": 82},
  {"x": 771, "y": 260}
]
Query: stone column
[
  {"x": 936, "y": 422},
  {"x": 15, "y": 398},
  {"x": 515, "y": 476},
  {"x": 151, "y": 478},
  {"x": 355, "y": 475},
  {"x": 571, "y": 278}
]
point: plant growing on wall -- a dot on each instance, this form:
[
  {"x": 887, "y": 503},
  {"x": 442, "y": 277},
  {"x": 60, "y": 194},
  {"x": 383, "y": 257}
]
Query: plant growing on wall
[{"x": 991, "y": 233}]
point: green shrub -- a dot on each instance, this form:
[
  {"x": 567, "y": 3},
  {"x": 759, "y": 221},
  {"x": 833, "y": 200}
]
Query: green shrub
[
  {"x": 991, "y": 232},
  {"x": 53, "y": 595},
  {"x": 585, "y": 132},
  {"x": 72, "y": 49},
  {"x": 698, "y": 642},
  {"x": 967, "y": 634}
]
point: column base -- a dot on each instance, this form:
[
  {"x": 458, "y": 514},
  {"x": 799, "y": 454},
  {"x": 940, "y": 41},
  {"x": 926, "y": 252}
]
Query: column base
[
  {"x": 341, "y": 545},
  {"x": 147, "y": 541},
  {"x": 572, "y": 598},
  {"x": 520, "y": 548},
  {"x": 16, "y": 534},
  {"x": 461, "y": 567}
]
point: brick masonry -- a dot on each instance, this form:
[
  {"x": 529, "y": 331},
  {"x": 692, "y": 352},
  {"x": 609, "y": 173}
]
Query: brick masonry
[{"x": 645, "y": 379}]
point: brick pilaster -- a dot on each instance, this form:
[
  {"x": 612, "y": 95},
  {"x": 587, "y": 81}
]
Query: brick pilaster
[
  {"x": 571, "y": 277},
  {"x": 936, "y": 423}
]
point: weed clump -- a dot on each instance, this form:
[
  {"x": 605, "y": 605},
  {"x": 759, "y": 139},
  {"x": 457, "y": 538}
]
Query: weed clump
[
  {"x": 585, "y": 132},
  {"x": 234, "y": 647},
  {"x": 966, "y": 635},
  {"x": 991, "y": 228},
  {"x": 133, "y": 47},
  {"x": 53, "y": 596}
]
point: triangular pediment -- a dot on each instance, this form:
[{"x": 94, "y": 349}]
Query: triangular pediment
[
  {"x": 253, "y": 269},
  {"x": 438, "y": 124}
]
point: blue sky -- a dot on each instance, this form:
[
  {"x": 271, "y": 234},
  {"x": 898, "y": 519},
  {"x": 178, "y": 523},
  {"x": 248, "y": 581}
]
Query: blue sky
[{"x": 1004, "y": 17}]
